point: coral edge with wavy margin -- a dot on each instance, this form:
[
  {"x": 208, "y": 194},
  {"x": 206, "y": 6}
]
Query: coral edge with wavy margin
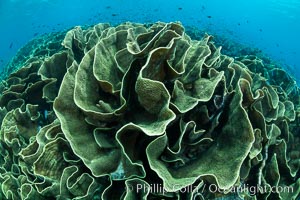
[{"x": 117, "y": 110}]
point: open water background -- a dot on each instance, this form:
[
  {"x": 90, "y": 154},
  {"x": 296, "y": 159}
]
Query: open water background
[{"x": 270, "y": 25}]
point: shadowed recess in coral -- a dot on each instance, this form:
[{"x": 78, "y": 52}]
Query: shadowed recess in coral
[{"x": 116, "y": 108}]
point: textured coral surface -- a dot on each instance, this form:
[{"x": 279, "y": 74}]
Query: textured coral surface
[{"x": 142, "y": 111}]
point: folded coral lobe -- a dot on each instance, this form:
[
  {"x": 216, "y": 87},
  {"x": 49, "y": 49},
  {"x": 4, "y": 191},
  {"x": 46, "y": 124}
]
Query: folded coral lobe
[{"x": 142, "y": 105}]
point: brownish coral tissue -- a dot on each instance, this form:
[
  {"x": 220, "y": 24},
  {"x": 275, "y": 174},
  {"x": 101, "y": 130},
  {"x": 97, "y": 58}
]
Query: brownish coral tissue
[{"x": 143, "y": 111}]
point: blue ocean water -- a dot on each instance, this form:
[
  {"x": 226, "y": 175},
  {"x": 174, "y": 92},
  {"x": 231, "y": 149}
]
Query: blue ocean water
[{"x": 270, "y": 25}]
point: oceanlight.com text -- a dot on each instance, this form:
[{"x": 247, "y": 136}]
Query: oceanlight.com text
[{"x": 212, "y": 188}]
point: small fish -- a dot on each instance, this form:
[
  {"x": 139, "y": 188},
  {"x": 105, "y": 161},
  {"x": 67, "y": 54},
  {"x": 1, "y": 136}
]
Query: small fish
[
  {"x": 113, "y": 14},
  {"x": 108, "y": 7},
  {"x": 208, "y": 16},
  {"x": 247, "y": 21},
  {"x": 46, "y": 114},
  {"x": 239, "y": 24},
  {"x": 203, "y": 8},
  {"x": 11, "y": 45},
  {"x": 260, "y": 30},
  {"x": 35, "y": 34},
  {"x": 39, "y": 128},
  {"x": 179, "y": 8}
]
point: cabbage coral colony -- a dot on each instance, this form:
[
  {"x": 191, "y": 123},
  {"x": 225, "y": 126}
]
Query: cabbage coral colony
[{"x": 117, "y": 108}]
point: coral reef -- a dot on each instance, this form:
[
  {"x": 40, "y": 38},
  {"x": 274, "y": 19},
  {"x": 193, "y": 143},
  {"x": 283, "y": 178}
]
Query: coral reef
[
  {"x": 38, "y": 48},
  {"x": 146, "y": 112},
  {"x": 237, "y": 50}
]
